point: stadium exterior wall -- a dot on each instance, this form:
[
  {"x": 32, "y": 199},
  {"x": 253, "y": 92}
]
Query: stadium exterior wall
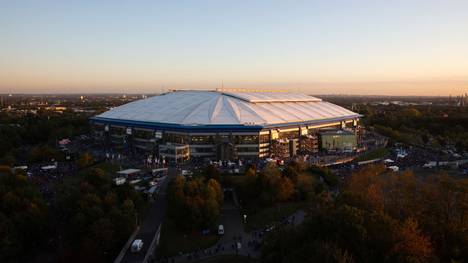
[{"x": 219, "y": 149}]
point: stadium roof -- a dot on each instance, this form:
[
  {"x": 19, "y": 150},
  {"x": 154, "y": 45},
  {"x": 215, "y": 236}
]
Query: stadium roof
[{"x": 192, "y": 108}]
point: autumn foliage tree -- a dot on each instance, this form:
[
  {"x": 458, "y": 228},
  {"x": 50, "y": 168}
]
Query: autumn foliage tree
[
  {"x": 436, "y": 206},
  {"x": 412, "y": 245},
  {"x": 271, "y": 185},
  {"x": 381, "y": 216}
]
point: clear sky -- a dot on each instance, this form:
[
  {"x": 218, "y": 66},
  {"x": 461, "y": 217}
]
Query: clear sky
[{"x": 323, "y": 47}]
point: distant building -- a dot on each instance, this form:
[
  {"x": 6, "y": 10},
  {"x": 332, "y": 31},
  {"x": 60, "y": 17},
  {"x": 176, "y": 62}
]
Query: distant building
[
  {"x": 223, "y": 125},
  {"x": 463, "y": 100}
]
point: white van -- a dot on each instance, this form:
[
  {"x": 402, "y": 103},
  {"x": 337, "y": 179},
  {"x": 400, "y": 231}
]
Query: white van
[
  {"x": 220, "y": 230},
  {"x": 137, "y": 245}
]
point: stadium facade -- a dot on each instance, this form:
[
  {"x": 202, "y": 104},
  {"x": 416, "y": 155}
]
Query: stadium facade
[{"x": 223, "y": 125}]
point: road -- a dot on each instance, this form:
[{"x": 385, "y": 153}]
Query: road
[
  {"x": 150, "y": 225},
  {"x": 231, "y": 219}
]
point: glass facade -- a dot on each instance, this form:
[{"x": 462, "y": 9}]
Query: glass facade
[
  {"x": 289, "y": 135},
  {"x": 265, "y": 138},
  {"x": 176, "y": 138},
  {"x": 117, "y": 130},
  {"x": 202, "y": 139},
  {"x": 143, "y": 134},
  {"x": 245, "y": 139},
  {"x": 225, "y": 145},
  {"x": 247, "y": 149}
]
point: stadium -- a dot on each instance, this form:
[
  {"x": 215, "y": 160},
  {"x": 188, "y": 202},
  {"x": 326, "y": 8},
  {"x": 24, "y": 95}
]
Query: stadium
[{"x": 226, "y": 125}]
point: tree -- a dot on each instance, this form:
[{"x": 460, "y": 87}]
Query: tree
[
  {"x": 305, "y": 186},
  {"x": 365, "y": 187},
  {"x": 85, "y": 160},
  {"x": 194, "y": 203},
  {"x": 379, "y": 216},
  {"x": 291, "y": 173},
  {"x": 217, "y": 189},
  {"x": 44, "y": 153},
  {"x": 8, "y": 159},
  {"x": 285, "y": 189},
  {"x": 98, "y": 218},
  {"x": 210, "y": 211},
  {"x": 23, "y": 216},
  {"x": 248, "y": 187},
  {"x": 412, "y": 245},
  {"x": 212, "y": 172},
  {"x": 269, "y": 183}
]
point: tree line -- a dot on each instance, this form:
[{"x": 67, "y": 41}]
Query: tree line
[
  {"x": 432, "y": 126},
  {"x": 88, "y": 220},
  {"x": 295, "y": 182},
  {"x": 23, "y": 216},
  {"x": 380, "y": 216},
  {"x": 26, "y": 137}
]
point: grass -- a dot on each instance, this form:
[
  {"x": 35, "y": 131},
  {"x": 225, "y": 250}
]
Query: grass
[
  {"x": 229, "y": 259},
  {"x": 262, "y": 217},
  {"x": 173, "y": 240},
  {"x": 107, "y": 167},
  {"x": 374, "y": 154},
  {"x": 73, "y": 181},
  {"x": 233, "y": 180}
]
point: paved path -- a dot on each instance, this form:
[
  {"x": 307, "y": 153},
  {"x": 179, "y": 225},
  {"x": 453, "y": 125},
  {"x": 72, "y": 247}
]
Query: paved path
[
  {"x": 234, "y": 233},
  {"x": 151, "y": 222}
]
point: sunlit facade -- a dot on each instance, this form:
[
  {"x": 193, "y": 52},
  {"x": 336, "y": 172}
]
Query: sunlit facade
[{"x": 223, "y": 125}]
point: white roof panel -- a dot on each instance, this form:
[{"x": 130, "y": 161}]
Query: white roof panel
[
  {"x": 129, "y": 171},
  {"x": 258, "y": 97},
  {"x": 233, "y": 108}
]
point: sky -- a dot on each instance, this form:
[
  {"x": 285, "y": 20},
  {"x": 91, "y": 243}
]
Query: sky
[{"x": 319, "y": 47}]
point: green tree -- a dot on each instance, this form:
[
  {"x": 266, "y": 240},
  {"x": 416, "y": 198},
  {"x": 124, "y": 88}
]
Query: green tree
[
  {"x": 194, "y": 203},
  {"x": 306, "y": 186},
  {"x": 23, "y": 216},
  {"x": 99, "y": 217}
]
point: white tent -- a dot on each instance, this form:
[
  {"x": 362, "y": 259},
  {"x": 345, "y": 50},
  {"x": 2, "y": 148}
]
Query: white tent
[
  {"x": 128, "y": 172},
  {"x": 48, "y": 167}
]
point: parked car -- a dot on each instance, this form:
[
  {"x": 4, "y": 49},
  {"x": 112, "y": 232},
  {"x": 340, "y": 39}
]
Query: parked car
[{"x": 220, "y": 230}]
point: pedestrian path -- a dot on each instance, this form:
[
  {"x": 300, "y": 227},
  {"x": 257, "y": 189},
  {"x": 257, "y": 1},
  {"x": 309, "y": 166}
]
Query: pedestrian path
[{"x": 235, "y": 241}]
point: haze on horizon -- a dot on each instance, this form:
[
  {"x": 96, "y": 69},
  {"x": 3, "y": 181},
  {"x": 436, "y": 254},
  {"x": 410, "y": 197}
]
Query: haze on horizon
[{"x": 319, "y": 47}]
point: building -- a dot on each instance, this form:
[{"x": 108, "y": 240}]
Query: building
[
  {"x": 222, "y": 125},
  {"x": 338, "y": 141}
]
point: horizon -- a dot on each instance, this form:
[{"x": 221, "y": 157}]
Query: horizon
[
  {"x": 321, "y": 47},
  {"x": 168, "y": 91}
]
